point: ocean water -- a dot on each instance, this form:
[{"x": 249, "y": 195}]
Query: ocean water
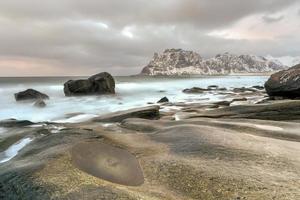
[{"x": 130, "y": 92}]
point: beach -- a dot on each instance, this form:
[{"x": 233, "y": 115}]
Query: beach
[{"x": 215, "y": 138}]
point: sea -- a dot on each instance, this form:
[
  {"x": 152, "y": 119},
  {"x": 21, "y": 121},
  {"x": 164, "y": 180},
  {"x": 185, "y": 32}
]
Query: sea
[{"x": 131, "y": 92}]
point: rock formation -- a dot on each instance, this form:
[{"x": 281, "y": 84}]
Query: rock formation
[
  {"x": 285, "y": 83},
  {"x": 181, "y": 62},
  {"x": 30, "y": 94},
  {"x": 102, "y": 83}
]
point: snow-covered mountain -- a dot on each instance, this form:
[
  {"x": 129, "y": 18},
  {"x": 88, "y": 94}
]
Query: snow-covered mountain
[
  {"x": 285, "y": 60},
  {"x": 181, "y": 62}
]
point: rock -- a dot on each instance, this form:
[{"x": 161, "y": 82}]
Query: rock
[
  {"x": 40, "y": 103},
  {"x": 285, "y": 83},
  {"x": 102, "y": 83},
  {"x": 163, "y": 100},
  {"x": 30, "y": 94},
  {"x": 243, "y": 89},
  {"x": 181, "y": 62},
  {"x": 149, "y": 112},
  {"x": 258, "y": 87},
  {"x": 283, "y": 110},
  {"x": 194, "y": 90},
  {"x": 108, "y": 162},
  {"x": 223, "y": 103},
  {"x": 239, "y": 99},
  {"x": 15, "y": 123}
]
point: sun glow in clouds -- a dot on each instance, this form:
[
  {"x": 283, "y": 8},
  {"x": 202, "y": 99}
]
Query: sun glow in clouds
[{"x": 127, "y": 32}]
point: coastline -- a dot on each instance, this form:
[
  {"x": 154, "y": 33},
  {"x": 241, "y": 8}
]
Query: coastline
[{"x": 192, "y": 150}]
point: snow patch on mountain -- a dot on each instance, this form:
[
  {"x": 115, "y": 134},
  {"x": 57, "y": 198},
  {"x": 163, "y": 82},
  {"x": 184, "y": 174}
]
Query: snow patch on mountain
[{"x": 285, "y": 60}]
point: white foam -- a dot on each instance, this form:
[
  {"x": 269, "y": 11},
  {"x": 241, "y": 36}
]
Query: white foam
[
  {"x": 130, "y": 92},
  {"x": 13, "y": 150},
  {"x": 107, "y": 125},
  {"x": 177, "y": 118},
  {"x": 267, "y": 127},
  {"x": 2, "y": 130},
  {"x": 77, "y": 118}
]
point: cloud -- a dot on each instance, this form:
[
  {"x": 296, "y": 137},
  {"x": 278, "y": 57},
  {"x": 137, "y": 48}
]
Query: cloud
[
  {"x": 272, "y": 19},
  {"x": 87, "y": 36}
]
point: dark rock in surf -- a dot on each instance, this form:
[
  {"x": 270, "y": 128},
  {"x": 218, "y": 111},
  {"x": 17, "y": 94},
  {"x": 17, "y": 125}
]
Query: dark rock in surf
[
  {"x": 244, "y": 89},
  {"x": 284, "y": 83},
  {"x": 194, "y": 90},
  {"x": 163, "y": 100},
  {"x": 30, "y": 94},
  {"x": 40, "y": 103},
  {"x": 258, "y": 87},
  {"x": 102, "y": 83},
  {"x": 8, "y": 123}
]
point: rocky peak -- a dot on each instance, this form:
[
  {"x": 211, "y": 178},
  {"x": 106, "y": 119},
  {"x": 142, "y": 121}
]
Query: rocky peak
[{"x": 179, "y": 62}]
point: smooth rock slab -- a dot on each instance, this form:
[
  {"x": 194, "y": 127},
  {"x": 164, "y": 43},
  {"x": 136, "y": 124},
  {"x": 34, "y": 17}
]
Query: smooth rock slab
[
  {"x": 149, "y": 112},
  {"x": 107, "y": 162}
]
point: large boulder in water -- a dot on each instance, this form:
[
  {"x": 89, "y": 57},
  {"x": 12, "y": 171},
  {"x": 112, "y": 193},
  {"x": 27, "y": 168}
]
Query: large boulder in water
[
  {"x": 102, "y": 83},
  {"x": 30, "y": 94},
  {"x": 285, "y": 83}
]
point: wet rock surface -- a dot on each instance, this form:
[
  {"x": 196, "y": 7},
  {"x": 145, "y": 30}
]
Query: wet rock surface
[{"x": 149, "y": 112}]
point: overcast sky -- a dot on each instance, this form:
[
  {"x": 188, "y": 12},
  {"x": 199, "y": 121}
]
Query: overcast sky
[{"x": 83, "y": 37}]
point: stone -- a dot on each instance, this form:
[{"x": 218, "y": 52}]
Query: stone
[
  {"x": 30, "y": 94},
  {"x": 15, "y": 123},
  {"x": 284, "y": 83},
  {"x": 195, "y": 90},
  {"x": 149, "y": 112},
  {"x": 163, "y": 100},
  {"x": 102, "y": 83}
]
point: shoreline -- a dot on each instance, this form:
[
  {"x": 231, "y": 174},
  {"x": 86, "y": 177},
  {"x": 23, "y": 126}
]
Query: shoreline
[{"x": 192, "y": 150}]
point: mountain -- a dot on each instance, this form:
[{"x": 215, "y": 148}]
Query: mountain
[
  {"x": 285, "y": 60},
  {"x": 181, "y": 62}
]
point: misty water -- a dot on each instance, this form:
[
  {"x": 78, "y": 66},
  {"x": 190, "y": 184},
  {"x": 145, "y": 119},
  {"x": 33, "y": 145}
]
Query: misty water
[{"x": 130, "y": 92}]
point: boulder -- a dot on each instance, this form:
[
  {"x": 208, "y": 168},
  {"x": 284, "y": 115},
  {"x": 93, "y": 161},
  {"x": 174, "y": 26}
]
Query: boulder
[
  {"x": 102, "y": 83},
  {"x": 149, "y": 112},
  {"x": 194, "y": 90},
  {"x": 163, "y": 100},
  {"x": 284, "y": 83},
  {"x": 40, "y": 103},
  {"x": 8, "y": 123},
  {"x": 30, "y": 94}
]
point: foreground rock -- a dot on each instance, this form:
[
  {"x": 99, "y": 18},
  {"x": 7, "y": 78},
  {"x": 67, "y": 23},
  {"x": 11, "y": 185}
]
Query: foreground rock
[
  {"x": 102, "y": 83},
  {"x": 199, "y": 158},
  {"x": 285, "y": 110},
  {"x": 285, "y": 83},
  {"x": 150, "y": 112},
  {"x": 181, "y": 62},
  {"x": 107, "y": 162},
  {"x": 30, "y": 94}
]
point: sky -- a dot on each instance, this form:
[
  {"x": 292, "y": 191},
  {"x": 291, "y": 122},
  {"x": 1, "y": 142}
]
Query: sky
[{"x": 84, "y": 37}]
